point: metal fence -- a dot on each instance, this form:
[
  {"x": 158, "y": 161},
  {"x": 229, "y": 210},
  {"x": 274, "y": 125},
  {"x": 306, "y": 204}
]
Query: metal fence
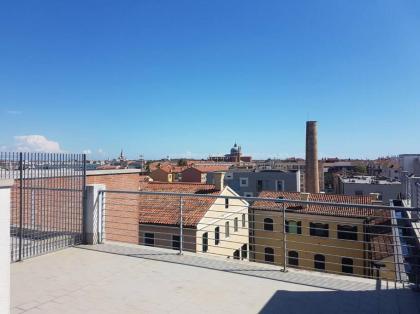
[
  {"x": 370, "y": 241},
  {"x": 47, "y": 201}
]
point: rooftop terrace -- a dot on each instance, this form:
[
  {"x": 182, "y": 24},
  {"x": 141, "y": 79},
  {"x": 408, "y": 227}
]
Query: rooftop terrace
[{"x": 115, "y": 278}]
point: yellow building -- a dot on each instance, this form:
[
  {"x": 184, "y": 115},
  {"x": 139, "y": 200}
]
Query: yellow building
[{"x": 318, "y": 237}]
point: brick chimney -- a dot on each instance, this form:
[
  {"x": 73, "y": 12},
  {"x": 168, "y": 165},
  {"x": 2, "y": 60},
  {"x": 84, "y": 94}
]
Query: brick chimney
[
  {"x": 219, "y": 180},
  {"x": 311, "y": 163}
]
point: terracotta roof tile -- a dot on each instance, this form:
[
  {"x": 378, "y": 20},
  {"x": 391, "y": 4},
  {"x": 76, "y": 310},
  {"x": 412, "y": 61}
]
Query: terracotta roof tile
[
  {"x": 163, "y": 209},
  {"x": 319, "y": 209},
  {"x": 210, "y": 168},
  {"x": 382, "y": 246}
]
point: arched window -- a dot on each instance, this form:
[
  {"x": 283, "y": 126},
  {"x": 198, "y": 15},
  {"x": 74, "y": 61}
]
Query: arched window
[
  {"x": 319, "y": 262},
  {"x": 268, "y": 224},
  {"x": 294, "y": 227},
  {"x": 269, "y": 255},
  {"x": 346, "y": 232},
  {"x": 293, "y": 259},
  {"x": 347, "y": 265}
]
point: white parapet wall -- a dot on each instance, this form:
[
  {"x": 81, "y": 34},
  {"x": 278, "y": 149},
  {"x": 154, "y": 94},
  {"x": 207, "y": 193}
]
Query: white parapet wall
[
  {"x": 5, "y": 208},
  {"x": 93, "y": 214}
]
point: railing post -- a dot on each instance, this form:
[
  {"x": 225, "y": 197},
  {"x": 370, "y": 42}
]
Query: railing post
[
  {"x": 20, "y": 206},
  {"x": 284, "y": 239},
  {"x": 93, "y": 216},
  {"x": 181, "y": 228}
]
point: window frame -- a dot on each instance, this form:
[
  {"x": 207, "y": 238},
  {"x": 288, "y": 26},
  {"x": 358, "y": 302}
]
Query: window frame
[
  {"x": 217, "y": 235},
  {"x": 146, "y": 238},
  {"x": 227, "y": 229},
  {"x": 243, "y": 185},
  {"x": 347, "y": 234},
  {"x": 267, "y": 224},
  {"x": 269, "y": 257},
  {"x": 345, "y": 266},
  {"x": 316, "y": 231},
  {"x": 293, "y": 260},
  {"x": 205, "y": 242},
  {"x": 235, "y": 224},
  {"x": 298, "y": 227},
  {"x": 319, "y": 262},
  {"x": 178, "y": 246}
]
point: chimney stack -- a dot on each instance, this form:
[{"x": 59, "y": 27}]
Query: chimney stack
[
  {"x": 311, "y": 163},
  {"x": 219, "y": 180}
]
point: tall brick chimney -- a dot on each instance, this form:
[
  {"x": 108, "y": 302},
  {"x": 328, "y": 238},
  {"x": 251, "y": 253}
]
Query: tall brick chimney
[{"x": 311, "y": 163}]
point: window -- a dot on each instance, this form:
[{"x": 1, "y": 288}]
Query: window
[
  {"x": 293, "y": 258},
  {"x": 175, "y": 242},
  {"x": 347, "y": 265},
  {"x": 244, "y": 251},
  {"x": 229, "y": 176},
  {"x": 318, "y": 229},
  {"x": 205, "y": 241},
  {"x": 226, "y": 203},
  {"x": 269, "y": 255},
  {"x": 243, "y": 182},
  {"x": 319, "y": 262},
  {"x": 347, "y": 232},
  {"x": 243, "y": 220},
  {"x": 149, "y": 239},
  {"x": 248, "y": 194},
  {"x": 279, "y": 185},
  {"x": 268, "y": 224},
  {"x": 235, "y": 224},
  {"x": 236, "y": 254},
  {"x": 259, "y": 185},
  {"x": 227, "y": 229},
  {"x": 293, "y": 227},
  {"x": 217, "y": 235}
]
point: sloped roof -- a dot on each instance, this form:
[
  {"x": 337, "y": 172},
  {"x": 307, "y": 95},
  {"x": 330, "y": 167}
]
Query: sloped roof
[
  {"x": 165, "y": 209},
  {"x": 382, "y": 246},
  {"x": 209, "y": 168},
  {"x": 318, "y": 209}
]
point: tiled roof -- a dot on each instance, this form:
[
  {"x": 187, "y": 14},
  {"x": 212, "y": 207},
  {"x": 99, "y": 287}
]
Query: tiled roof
[
  {"x": 163, "y": 209},
  {"x": 210, "y": 168},
  {"x": 171, "y": 168},
  {"x": 316, "y": 208},
  {"x": 381, "y": 246}
]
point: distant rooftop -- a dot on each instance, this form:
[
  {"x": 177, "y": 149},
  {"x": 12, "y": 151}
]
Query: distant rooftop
[{"x": 368, "y": 180}]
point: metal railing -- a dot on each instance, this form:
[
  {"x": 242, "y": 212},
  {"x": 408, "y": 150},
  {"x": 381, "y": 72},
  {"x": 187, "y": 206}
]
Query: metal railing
[
  {"x": 46, "y": 201},
  {"x": 370, "y": 241}
]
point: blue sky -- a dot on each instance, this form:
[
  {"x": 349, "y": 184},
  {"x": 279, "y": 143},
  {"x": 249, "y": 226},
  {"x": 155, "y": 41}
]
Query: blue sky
[{"x": 188, "y": 78}]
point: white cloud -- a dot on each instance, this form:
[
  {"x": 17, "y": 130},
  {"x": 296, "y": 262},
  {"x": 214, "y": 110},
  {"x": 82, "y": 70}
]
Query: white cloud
[
  {"x": 87, "y": 151},
  {"x": 13, "y": 112},
  {"x": 36, "y": 143}
]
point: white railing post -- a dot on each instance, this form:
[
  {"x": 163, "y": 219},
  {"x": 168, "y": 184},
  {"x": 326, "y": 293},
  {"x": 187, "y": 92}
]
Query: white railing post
[
  {"x": 5, "y": 209},
  {"x": 93, "y": 216},
  {"x": 181, "y": 228}
]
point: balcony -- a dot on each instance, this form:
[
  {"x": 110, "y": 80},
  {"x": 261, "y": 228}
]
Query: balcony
[{"x": 124, "y": 278}]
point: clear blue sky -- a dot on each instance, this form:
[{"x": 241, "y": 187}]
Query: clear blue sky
[{"x": 191, "y": 77}]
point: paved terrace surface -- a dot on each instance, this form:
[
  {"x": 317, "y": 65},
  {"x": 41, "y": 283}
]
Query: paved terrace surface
[{"x": 113, "y": 278}]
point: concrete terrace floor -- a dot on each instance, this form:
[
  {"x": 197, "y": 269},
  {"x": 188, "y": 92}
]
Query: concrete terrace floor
[{"x": 111, "y": 278}]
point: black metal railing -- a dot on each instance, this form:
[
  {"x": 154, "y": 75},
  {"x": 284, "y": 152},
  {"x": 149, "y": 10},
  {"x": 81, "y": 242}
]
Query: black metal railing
[{"x": 46, "y": 201}]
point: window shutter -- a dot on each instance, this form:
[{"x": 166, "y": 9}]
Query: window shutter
[
  {"x": 287, "y": 226},
  {"x": 299, "y": 227}
]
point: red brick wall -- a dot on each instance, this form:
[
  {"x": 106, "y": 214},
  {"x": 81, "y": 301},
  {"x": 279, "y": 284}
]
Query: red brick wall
[
  {"x": 191, "y": 175},
  {"x": 121, "y": 210}
]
